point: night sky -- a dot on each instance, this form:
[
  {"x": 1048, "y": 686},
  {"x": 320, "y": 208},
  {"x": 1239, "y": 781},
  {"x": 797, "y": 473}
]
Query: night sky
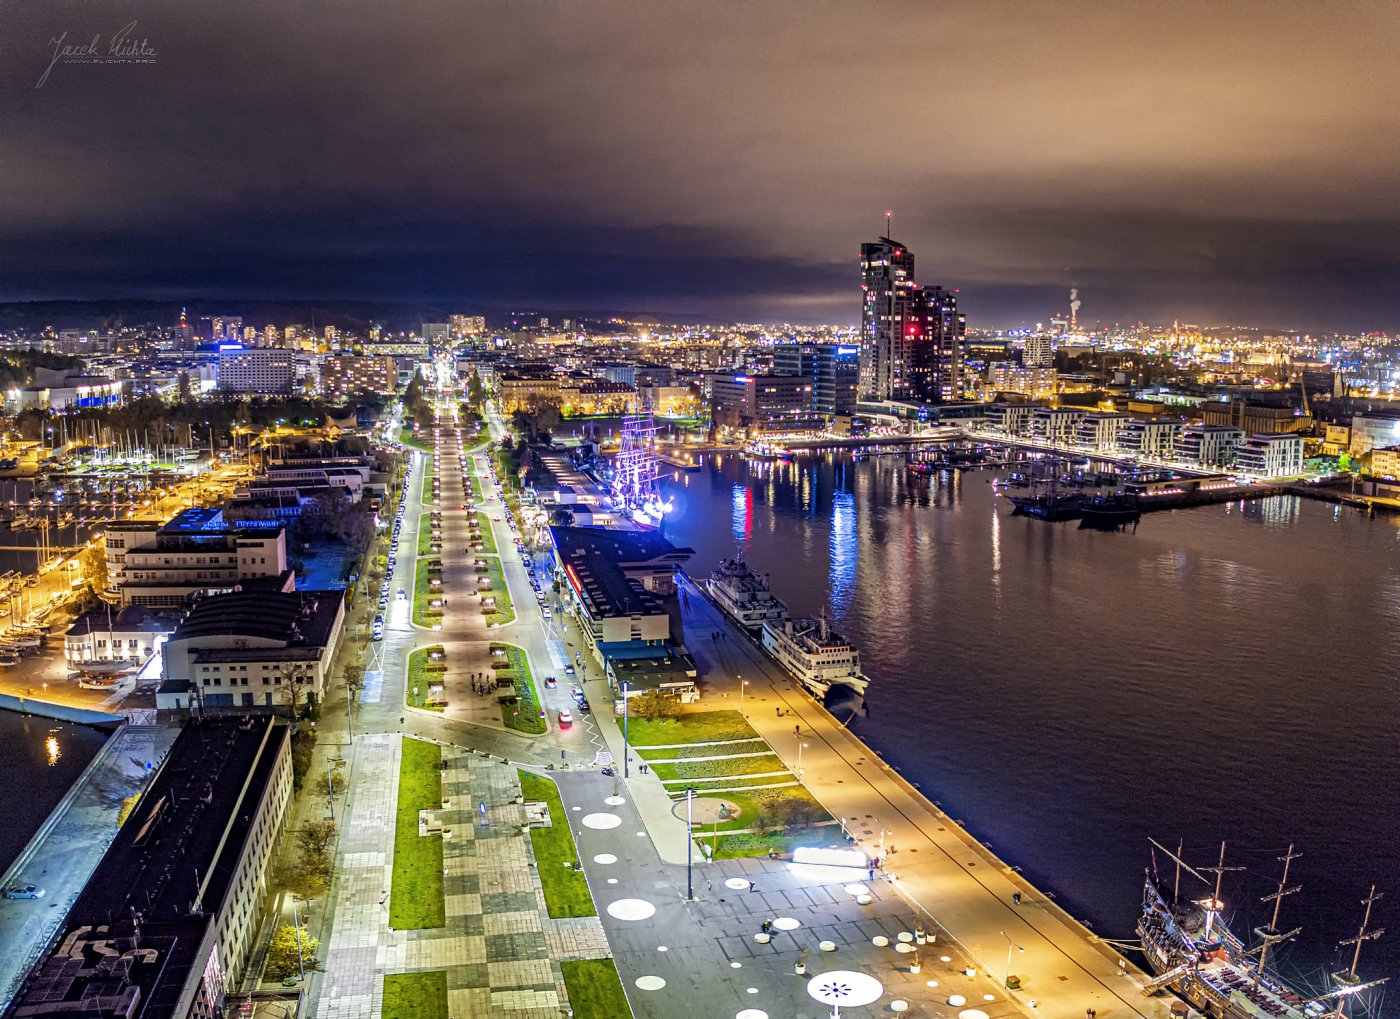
[{"x": 1214, "y": 162}]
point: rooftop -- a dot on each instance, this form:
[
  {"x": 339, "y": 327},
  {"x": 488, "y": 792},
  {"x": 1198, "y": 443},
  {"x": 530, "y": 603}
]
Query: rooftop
[{"x": 298, "y": 618}]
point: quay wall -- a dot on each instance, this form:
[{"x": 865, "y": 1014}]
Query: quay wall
[{"x": 973, "y": 845}]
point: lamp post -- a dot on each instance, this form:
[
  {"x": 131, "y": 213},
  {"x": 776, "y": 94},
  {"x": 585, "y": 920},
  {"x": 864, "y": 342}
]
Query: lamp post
[
  {"x": 296, "y": 928},
  {"x": 800, "y": 746},
  {"x": 1009, "y": 946},
  {"x": 626, "y": 750},
  {"x": 689, "y": 844},
  {"x": 742, "y": 683}
]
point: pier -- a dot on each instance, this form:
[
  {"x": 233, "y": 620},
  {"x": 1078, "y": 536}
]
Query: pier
[{"x": 941, "y": 870}]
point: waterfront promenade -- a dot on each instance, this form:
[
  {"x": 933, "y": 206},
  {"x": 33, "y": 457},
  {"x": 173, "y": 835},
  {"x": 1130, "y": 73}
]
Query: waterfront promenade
[{"x": 936, "y": 866}]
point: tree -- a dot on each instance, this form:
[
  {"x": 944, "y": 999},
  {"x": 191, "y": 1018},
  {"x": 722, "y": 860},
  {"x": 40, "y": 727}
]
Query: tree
[
  {"x": 92, "y": 568},
  {"x": 316, "y": 836},
  {"x": 476, "y": 392},
  {"x": 562, "y": 517},
  {"x": 653, "y": 705},
  {"x": 294, "y": 676},
  {"x": 795, "y": 813},
  {"x": 285, "y": 958}
]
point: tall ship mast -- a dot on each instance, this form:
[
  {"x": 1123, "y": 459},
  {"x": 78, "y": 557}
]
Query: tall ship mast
[
  {"x": 1190, "y": 946},
  {"x": 637, "y": 468}
]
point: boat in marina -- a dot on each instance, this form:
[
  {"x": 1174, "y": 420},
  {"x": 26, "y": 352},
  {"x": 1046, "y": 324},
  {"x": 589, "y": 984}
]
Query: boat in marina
[
  {"x": 815, "y": 655},
  {"x": 1195, "y": 954},
  {"x": 1109, "y": 511},
  {"x": 744, "y": 595},
  {"x": 1052, "y": 506}
]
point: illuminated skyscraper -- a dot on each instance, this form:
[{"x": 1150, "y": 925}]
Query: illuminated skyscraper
[{"x": 911, "y": 336}]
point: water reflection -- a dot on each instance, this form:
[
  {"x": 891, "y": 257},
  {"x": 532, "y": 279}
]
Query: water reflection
[
  {"x": 52, "y": 750},
  {"x": 844, "y": 548}
]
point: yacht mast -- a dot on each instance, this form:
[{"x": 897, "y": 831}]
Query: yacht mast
[{"x": 1270, "y": 934}]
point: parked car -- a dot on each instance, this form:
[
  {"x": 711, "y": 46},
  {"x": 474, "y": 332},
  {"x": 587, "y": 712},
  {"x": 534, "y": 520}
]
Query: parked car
[{"x": 24, "y": 892}]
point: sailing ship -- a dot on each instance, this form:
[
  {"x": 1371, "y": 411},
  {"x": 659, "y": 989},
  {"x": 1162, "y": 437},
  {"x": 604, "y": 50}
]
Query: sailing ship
[
  {"x": 1047, "y": 499},
  {"x": 744, "y": 595},
  {"x": 1109, "y": 511},
  {"x": 1195, "y": 954}
]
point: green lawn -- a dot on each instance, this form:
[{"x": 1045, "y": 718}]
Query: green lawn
[
  {"x": 415, "y": 899},
  {"x": 565, "y": 889},
  {"x": 428, "y": 483},
  {"x": 734, "y": 847},
  {"x": 415, "y": 995},
  {"x": 420, "y": 675},
  {"x": 695, "y": 726},
  {"x": 524, "y": 716},
  {"x": 422, "y": 614},
  {"x": 730, "y": 766},
  {"x": 752, "y": 804},
  {"x": 750, "y": 746},
  {"x": 505, "y": 608},
  {"x": 406, "y": 437},
  {"x": 476, "y": 488},
  {"x": 488, "y": 540},
  {"x": 595, "y": 991}
]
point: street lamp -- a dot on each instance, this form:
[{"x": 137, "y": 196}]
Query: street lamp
[
  {"x": 626, "y": 751},
  {"x": 1009, "y": 946},
  {"x": 296, "y": 928},
  {"x": 689, "y": 844},
  {"x": 742, "y": 683},
  {"x": 800, "y": 747}
]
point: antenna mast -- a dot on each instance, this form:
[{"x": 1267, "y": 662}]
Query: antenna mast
[{"x": 889, "y": 216}]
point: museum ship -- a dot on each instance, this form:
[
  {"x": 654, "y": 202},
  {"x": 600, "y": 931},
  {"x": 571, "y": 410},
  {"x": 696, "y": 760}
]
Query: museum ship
[
  {"x": 744, "y": 595},
  {"x": 1195, "y": 954},
  {"x": 815, "y": 655}
]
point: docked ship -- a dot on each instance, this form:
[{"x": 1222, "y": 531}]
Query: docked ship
[
  {"x": 1196, "y": 955},
  {"x": 1052, "y": 506},
  {"x": 744, "y": 595},
  {"x": 1109, "y": 511},
  {"x": 815, "y": 655}
]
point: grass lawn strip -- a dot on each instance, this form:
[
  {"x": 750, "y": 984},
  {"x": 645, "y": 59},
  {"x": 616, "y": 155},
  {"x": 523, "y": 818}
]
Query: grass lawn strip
[
  {"x": 703, "y": 786},
  {"x": 420, "y": 675},
  {"x": 565, "y": 888},
  {"x": 595, "y": 991},
  {"x": 504, "y": 611},
  {"x": 725, "y": 767},
  {"x": 734, "y": 847},
  {"x": 524, "y": 715},
  {"x": 728, "y": 748},
  {"x": 416, "y": 895},
  {"x": 416, "y": 995},
  {"x": 407, "y": 437},
  {"x": 752, "y": 803},
  {"x": 476, "y": 488},
  {"x": 692, "y": 727},
  {"x": 488, "y": 540}
]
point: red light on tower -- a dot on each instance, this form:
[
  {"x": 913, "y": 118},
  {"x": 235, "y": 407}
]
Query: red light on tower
[{"x": 913, "y": 330}]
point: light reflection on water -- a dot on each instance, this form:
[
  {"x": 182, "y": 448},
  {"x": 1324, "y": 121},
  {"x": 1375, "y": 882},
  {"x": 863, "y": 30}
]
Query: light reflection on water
[{"x": 1222, "y": 672}]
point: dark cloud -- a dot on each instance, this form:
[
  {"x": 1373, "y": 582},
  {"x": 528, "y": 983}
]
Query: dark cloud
[{"x": 718, "y": 159}]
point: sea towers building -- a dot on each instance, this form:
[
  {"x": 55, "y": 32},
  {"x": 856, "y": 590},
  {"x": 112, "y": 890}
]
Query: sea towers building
[{"x": 911, "y": 335}]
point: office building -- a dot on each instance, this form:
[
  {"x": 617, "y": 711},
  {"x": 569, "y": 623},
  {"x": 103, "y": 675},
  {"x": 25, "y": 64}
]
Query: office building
[
  {"x": 911, "y": 336},
  {"x": 1037, "y": 352},
  {"x": 1371, "y": 431},
  {"x": 168, "y": 922},
  {"x": 436, "y": 332},
  {"x": 259, "y": 370},
  {"x": 1271, "y": 456},
  {"x": 762, "y": 403},
  {"x": 833, "y": 368},
  {"x": 1056, "y": 424},
  {"x": 346, "y": 376},
  {"x": 466, "y": 325}
]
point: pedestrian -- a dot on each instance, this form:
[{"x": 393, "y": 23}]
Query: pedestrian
[
  {"x": 797, "y": 730},
  {"x": 751, "y": 886},
  {"x": 779, "y": 712},
  {"x": 871, "y": 872},
  {"x": 1016, "y": 897},
  {"x": 709, "y": 885}
]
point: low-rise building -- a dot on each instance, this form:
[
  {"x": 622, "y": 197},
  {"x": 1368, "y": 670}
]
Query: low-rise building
[
  {"x": 1155, "y": 438},
  {"x": 1011, "y": 418},
  {"x": 167, "y": 923},
  {"x": 762, "y": 403},
  {"x": 672, "y": 674},
  {"x": 1385, "y": 462},
  {"x": 102, "y": 636},
  {"x": 1056, "y": 424},
  {"x": 1207, "y": 445},
  {"x": 1099, "y": 431},
  {"x": 618, "y": 584},
  {"x": 1271, "y": 456},
  {"x": 252, "y": 649}
]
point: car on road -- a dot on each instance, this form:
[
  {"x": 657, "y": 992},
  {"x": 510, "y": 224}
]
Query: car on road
[
  {"x": 583, "y": 704},
  {"x": 497, "y": 519},
  {"x": 568, "y": 670},
  {"x": 576, "y": 692},
  {"x": 402, "y": 595},
  {"x": 551, "y": 682},
  {"x": 566, "y": 719},
  {"x": 24, "y": 892}
]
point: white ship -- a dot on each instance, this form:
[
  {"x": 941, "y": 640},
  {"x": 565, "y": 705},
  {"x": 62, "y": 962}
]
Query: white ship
[
  {"x": 744, "y": 595},
  {"x": 817, "y": 656}
]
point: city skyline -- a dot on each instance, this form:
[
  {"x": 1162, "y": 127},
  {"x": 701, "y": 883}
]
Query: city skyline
[{"x": 712, "y": 163}]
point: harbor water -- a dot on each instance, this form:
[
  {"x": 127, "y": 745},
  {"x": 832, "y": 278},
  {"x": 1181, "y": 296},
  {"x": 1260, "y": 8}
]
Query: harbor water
[
  {"x": 40, "y": 758},
  {"x": 1223, "y": 672}
]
